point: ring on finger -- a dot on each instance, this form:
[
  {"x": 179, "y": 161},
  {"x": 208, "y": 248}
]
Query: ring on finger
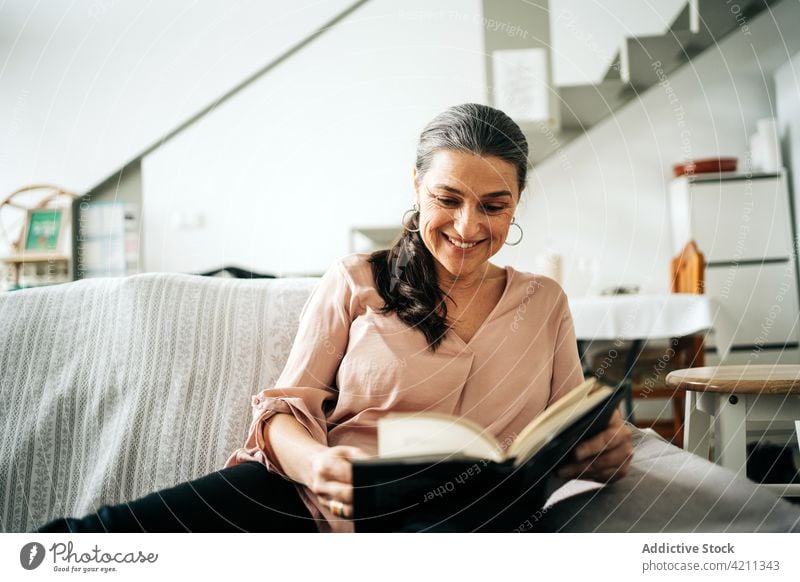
[{"x": 337, "y": 508}]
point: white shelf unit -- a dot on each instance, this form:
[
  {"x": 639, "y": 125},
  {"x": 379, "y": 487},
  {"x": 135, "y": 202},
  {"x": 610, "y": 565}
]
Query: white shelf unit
[{"x": 742, "y": 223}]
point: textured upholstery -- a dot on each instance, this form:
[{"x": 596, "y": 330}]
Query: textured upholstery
[{"x": 112, "y": 388}]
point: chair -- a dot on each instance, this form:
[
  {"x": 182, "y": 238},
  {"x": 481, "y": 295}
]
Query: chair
[
  {"x": 763, "y": 397},
  {"x": 686, "y": 273}
]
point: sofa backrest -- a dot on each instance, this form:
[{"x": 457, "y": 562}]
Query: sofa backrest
[{"x": 113, "y": 388}]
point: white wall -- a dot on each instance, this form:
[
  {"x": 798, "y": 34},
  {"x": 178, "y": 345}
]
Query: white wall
[
  {"x": 605, "y": 199},
  {"x": 278, "y": 174},
  {"x": 87, "y": 85},
  {"x": 787, "y": 104},
  {"x": 286, "y": 211}
]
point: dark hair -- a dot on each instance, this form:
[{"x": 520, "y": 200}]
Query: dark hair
[{"x": 404, "y": 274}]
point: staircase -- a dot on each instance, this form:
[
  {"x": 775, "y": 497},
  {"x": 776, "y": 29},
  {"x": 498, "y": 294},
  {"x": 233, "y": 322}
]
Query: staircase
[{"x": 645, "y": 61}]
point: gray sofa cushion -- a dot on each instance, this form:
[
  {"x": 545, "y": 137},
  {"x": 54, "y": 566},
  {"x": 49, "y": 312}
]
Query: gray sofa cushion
[{"x": 669, "y": 490}]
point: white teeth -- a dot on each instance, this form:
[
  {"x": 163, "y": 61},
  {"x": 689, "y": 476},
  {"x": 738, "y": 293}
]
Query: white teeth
[{"x": 461, "y": 245}]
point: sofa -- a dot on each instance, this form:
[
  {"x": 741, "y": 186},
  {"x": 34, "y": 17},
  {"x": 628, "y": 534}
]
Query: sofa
[{"x": 113, "y": 388}]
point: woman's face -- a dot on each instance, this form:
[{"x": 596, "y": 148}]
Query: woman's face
[{"x": 466, "y": 203}]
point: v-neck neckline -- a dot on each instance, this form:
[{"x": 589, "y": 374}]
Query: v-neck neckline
[{"x": 489, "y": 317}]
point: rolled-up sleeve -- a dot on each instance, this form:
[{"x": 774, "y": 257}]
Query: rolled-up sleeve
[{"x": 306, "y": 388}]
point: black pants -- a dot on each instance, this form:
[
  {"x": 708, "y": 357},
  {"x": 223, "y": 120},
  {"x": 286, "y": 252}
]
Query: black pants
[{"x": 242, "y": 498}]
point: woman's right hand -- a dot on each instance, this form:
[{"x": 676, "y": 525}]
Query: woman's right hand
[{"x": 331, "y": 476}]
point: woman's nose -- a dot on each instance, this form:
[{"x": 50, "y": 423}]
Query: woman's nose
[{"x": 468, "y": 222}]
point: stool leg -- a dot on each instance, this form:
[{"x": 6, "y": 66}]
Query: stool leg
[
  {"x": 678, "y": 407},
  {"x": 696, "y": 428},
  {"x": 797, "y": 432},
  {"x": 729, "y": 435}
]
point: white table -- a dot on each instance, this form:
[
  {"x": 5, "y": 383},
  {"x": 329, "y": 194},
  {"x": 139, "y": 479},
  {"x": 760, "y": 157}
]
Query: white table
[
  {"x": 638, "y": 318},
  {"x": 643, "y": 317}
]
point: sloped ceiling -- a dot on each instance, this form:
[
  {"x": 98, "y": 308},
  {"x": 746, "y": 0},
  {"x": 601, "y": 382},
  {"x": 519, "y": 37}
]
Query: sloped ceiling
[{"x": 87, "y": 85}]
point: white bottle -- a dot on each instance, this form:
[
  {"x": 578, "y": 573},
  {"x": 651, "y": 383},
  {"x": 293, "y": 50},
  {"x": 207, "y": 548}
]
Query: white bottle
[
  {"x": 769, "y": 144},
  {"x": 548, "y": 263}
]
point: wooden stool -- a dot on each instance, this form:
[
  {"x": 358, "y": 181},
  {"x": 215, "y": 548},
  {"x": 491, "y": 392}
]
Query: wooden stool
[{"x": 765, "y": 397}]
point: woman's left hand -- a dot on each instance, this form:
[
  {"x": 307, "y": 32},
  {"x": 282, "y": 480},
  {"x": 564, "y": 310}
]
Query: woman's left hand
[{"x": 604, "y": 457}]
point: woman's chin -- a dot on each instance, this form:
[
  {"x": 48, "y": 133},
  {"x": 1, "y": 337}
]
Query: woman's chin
[{"x": 465, "y": 268}]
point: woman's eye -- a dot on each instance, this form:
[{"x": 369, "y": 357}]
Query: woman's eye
[{"x": 451, "y": 202}]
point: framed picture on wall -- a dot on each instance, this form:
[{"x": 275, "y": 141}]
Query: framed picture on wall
[{"x": 45, "y": 230}]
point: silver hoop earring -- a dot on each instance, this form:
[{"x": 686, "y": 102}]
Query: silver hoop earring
[
  {"x": 521, "y": 233},
  {"x": 414, "y": 209}
]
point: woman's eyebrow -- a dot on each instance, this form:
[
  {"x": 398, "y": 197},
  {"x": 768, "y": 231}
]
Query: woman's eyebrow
[{"x": 454, "y": 190}]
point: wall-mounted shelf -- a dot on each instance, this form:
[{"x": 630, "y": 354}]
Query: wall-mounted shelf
[
  {"x": 34, "y": 269},
  {"x": 33, "y": 258}
]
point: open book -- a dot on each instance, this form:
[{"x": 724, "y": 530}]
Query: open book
[
  {"x": 431, "y": 434},
  {"x": 440, "y": 464}
]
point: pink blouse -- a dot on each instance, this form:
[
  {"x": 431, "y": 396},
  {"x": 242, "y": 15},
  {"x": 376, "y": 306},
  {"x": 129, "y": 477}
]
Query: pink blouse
[{"x": 349, "y": 365}]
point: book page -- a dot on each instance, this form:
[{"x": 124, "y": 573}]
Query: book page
[
  {"x": 567, "y": 401},
  {"x": 426, "y": 433},
  {"x": 570, "y": 489},
  {"x": 546, "y": 426}
]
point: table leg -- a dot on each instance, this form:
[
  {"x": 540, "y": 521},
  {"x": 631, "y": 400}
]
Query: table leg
[
  {"x": 696, "y": 438},
  {"x": 627, "y": 382},
  {"x": 729, "y": 433}
]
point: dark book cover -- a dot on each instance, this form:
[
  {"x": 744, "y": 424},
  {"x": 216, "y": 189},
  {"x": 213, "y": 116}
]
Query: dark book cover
[{"x": 457, "y": 493}]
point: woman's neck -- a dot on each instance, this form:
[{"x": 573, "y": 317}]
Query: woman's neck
[{"x": 468, "y": 283}]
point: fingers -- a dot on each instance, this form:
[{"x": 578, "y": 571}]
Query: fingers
[
  {"x": 605, "y": 456},
  {"x": 329, "y": 490},
  {"x": 333, "y": 476},
  {"x": 611, "y": 456},
  {"x": 593, "y": 473},
  {"x": 607, "y": 467},
  {"x": 613, "y": 436},
  {"x": 334, "y": 465},
  {"x": 349, "y": 452}
]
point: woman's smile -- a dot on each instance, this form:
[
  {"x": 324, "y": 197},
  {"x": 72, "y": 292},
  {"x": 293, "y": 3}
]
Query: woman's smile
[{"x": 461, "y": 246}]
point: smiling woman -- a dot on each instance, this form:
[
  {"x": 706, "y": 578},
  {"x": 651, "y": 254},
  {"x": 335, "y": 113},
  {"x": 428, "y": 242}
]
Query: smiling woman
[
  {"x": 427, "y": 325},
  {"x": 432, "y": 325},
  {"x": 471, "y": 168}
]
